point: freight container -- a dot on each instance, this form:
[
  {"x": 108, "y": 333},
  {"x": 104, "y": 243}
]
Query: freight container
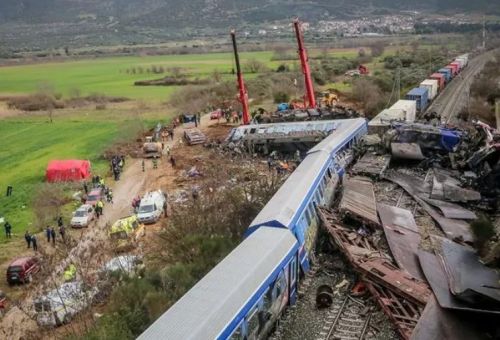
[
  {"x": 421, "y": 96},
  {"x": 454, "y": 69},
  {"x": 408, "y": 106},
  {"x": 441, "y": 80},
  {"x": 432, "y": 87},
  {"x": 461, "y": 61},
  {"x": 465, "y": 57},
  {"x": 382, "y": 122},
  {"x": 457, "y": 64},
  {"x": 447, "y": 74}
]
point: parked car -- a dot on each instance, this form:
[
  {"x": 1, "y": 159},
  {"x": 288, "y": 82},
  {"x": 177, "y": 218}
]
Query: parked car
[
  {"x": 22, "y": 270},
  {"x": 216, "y": 114},
  {"x": 152, "y": 206},
  {"x": 94, "y": 196},
  {"x": 83, "y": 216}
]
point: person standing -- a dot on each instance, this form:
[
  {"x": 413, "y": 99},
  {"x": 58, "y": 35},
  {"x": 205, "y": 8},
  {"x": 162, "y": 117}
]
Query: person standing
[
  {"x": 62, "y": 231},
  {"x": 8, "y": 229},
  {"x": 172, "y": 161},
  {"x": 53, "y": 235},
  {"x": 47, "y": 233},
  {"x": 27, "y": 237},
  {"x": 85, "y": 188},
  {"x": 60, "y": 221},
  {"x": 33, "y": 241}
]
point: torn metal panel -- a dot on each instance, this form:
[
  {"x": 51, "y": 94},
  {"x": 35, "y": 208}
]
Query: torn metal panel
[
  {"x": 356, "y": 247},
  {"x": 403, "y": 313},
  {"x": 396, "y": 217},
  {"x": 383, "y": 272},
  {"x": 454, "y": 229},
  {"x": 372, "y": 164},
  {"x": 452, "y": 210},
  {"x": 402, "y": 242},
  {"x": 446, "y": 187},
  {"x": 409, "y": 151},
  {"x": 437, "y": 323},
  {"x": 436, "y": 277},
  {"x": 358, "y": 200},
  {"x": 468, "y": 278},
  {"x": 455, "y": 193}
]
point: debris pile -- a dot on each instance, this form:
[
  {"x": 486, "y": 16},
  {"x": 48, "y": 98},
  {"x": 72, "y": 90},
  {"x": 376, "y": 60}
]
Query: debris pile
[{"x": 406, "y": 229}]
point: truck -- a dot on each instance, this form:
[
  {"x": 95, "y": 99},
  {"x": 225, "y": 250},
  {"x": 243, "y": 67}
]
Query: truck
[
  {"x": 125, "y": 233},
  {"x": 151, "y": 149},
  {"x": 152, "y": 206}
]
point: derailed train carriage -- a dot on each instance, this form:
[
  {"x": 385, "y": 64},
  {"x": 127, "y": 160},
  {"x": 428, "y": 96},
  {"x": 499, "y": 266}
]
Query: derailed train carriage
[{"x": 244, "y": 295}]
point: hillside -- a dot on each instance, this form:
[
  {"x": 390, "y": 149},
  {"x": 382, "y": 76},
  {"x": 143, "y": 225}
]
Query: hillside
[{"x": 39, "y": 24}]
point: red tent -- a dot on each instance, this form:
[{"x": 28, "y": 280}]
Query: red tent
[{"x": 70, "y": 170}]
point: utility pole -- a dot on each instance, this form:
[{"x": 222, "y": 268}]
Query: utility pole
[
  {"x": 243, "y": 95},
  {"x": 484, "y": 34}
]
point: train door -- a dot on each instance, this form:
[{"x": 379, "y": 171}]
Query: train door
[{"x": 293, "y": 281}]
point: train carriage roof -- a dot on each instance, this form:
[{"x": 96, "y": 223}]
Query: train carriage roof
[
  {"x": 284, "y": 205},
  {"x": 208, "y": 308}
]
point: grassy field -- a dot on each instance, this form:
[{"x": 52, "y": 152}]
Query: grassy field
[
  {"x": 29, "y": 143},
  {"x": 108, "y": 75}
]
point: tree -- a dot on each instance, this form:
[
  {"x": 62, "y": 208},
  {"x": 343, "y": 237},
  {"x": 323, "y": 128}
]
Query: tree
[
  {"x": 255, "y": 66},
  {"x": 377, "y": 48}
]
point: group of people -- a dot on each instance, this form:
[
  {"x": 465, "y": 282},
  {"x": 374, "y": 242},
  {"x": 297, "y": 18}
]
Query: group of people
[{"x": 116, "y": 165}]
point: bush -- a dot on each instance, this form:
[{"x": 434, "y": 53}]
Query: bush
[
  {"x": 483, "y": 231},
  {"x": 281, "y": 97}
]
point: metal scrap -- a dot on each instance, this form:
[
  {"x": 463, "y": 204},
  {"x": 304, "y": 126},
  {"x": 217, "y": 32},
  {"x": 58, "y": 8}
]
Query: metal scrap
[
  {"x": 439, "y": 323},
  {"x": 371, "y": 164},
  {"x": 402, "y": 241},
  {"x": 436, "y": 277},
  {"x": 194, "y": 136},
  {"x": 402, "y": 312},
  {"x": 384, "y": 273},
  {"x": 468, "y": 278},
  {"x": 358, "y": 200},
  {"x": 452, "y": 210},
  {"x": 409, "y": 151}
]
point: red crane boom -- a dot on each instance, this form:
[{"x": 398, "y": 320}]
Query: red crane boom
[
  {"x": 243, "y": 95},
  {"x": 304, "y": 60}
]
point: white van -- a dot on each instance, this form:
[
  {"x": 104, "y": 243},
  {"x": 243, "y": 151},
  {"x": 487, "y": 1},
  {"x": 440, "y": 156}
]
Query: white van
[{"x": 152, "y": 206}]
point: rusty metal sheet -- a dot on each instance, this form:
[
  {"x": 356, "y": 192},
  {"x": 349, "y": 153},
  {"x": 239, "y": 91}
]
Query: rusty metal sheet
[
  {"x": 396, "y": 217},
  {"x": 455, "y": 193},
  {"x": 402, "y": 242},
  {"x": 371, "y": 164},
  {"x": 356, "y": 247},
  {"x": 468, "y": 278},
  {"x": 403, "y": 313},
  {"x": 384, "y": 273},
  {"x": 452, "y": 210},
  {"x": 454, "y": 229},
  {"x": 437, "y": 323},
  {"x": 436, "y": 277},
  {"x": 358, "y": 200},
  {"x": 410, "y": 151}
]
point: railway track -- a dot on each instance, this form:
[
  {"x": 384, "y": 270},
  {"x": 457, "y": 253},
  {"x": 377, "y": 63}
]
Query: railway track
[
  {"x": 348, "y": 319},
  {"x": 456, "y": 95}
]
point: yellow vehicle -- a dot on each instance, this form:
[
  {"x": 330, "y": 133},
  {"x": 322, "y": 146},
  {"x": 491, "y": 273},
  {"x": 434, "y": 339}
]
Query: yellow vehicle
[
  {"x": 329, "y": 99},
  {"x": 125, "y": 233}
]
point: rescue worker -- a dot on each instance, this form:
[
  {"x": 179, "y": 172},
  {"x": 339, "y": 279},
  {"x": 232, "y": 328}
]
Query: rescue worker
[
  {"x": 270, "y": 163},
  {"x": 99, "y": 208},
  {"x": 155, "y": 163},
  {"x": 59, "y": 221},
  {"x": 8, "y": 229},
  {"x": 143, "y": 166},
  {"x": 70, "y": 273},
  {"x": 85, "y": 188},
  {"x": 47, "y": 233},
  {"x": 109, "y": 196},
  {"x": 101, "y": 182},
  {"x": 172, "y": 161},
  {"x": 62, "y": 231},
  {"x": 27, "y": 237},
  {"x": 33, "y": 241},
  {"x": 53, "y": 235}
]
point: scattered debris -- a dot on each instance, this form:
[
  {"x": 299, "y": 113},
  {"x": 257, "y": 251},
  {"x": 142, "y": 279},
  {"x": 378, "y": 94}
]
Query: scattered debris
[
  {"x": 410, "y": 151},
  {"x": 358, "y": 201},
  {"x": 371, "y": 164},
  {"x": 194, "y": 136}
]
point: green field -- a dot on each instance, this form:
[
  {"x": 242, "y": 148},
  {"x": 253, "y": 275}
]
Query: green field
[{"x": 108, "y": 75}]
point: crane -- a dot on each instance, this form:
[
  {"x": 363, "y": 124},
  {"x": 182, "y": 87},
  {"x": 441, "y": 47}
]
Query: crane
[
  {"x": 304, "y": 60},
  {"x": 243, "y": 95}
]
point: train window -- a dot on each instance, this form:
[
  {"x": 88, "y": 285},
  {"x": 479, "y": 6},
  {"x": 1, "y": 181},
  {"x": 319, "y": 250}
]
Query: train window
[
  {"x": 267, "y": 299},
  {"x": 321, "y": 190},
  {"x": 308, "y": 217},
  {"x": 236, "y": 334},
  {"x": 253, "y": 322},
  {"x": 329, "y": 172},
  {"x": 311, "y": 209},
  {"x": 318, "y": 197}
]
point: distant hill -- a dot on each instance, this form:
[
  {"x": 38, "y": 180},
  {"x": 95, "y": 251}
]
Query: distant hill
[{"x": 27, "y": 23}]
